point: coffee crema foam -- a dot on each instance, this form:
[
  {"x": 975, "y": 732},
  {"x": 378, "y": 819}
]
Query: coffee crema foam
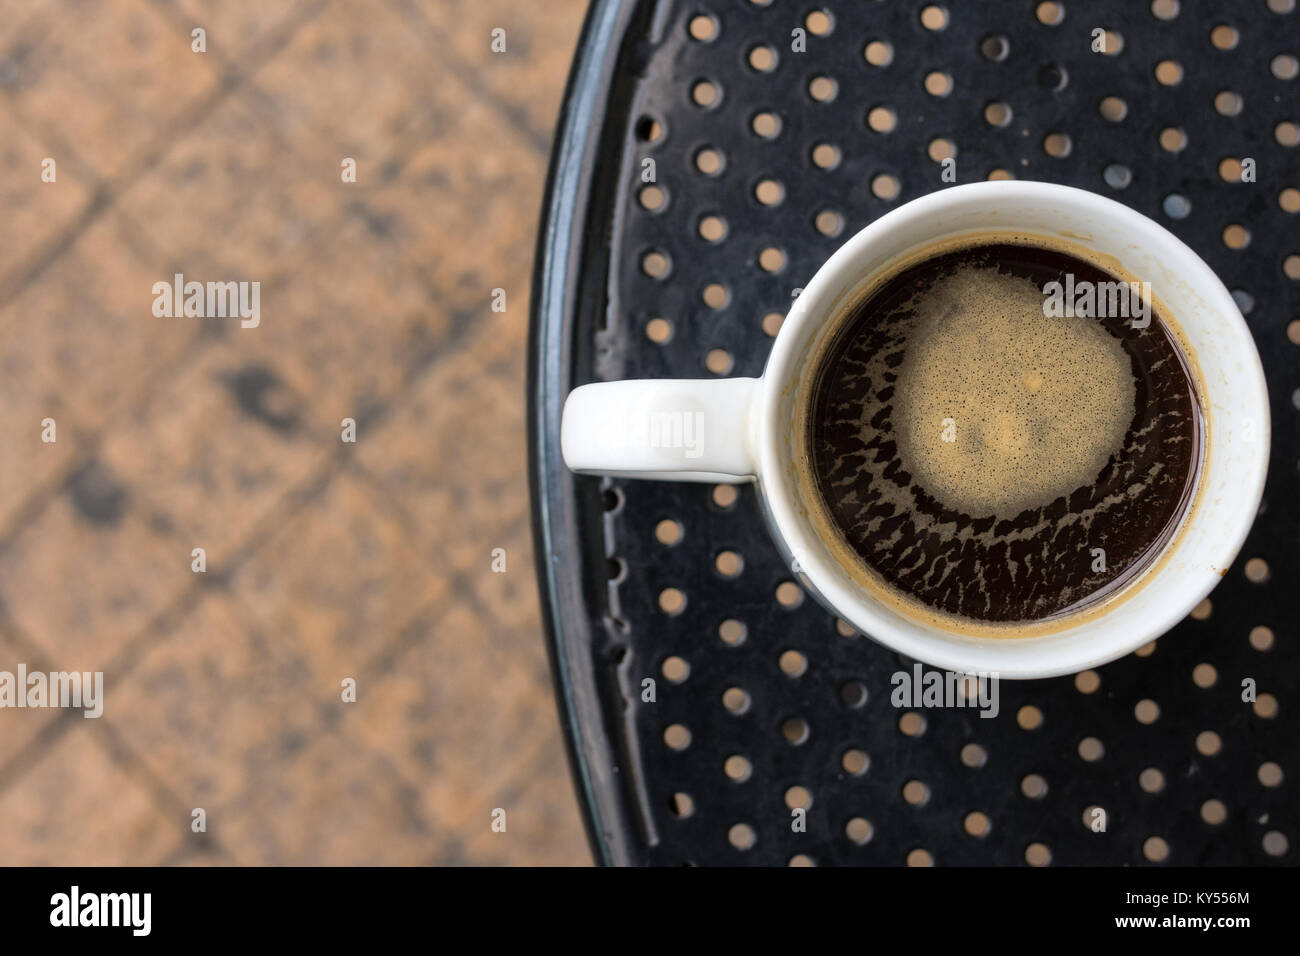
[
  {"x": 978, "y": 456},
  {"x": 1036, "y": 407}
]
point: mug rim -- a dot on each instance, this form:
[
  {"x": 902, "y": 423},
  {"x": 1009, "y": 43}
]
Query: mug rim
[{"x": 1015, "y": 657}]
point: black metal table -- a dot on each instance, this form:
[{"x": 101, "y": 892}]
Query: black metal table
[{"x": 763, "y": 138}]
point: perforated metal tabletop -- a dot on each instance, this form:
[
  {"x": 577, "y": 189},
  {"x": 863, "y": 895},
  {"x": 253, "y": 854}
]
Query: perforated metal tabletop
[{"x": 765, "y": 158}]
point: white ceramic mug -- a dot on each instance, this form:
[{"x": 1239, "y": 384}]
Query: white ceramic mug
[{"x": 740, "y": 429}]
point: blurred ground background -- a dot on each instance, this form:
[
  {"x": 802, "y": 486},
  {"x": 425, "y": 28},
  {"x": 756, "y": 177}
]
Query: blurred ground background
[{"x": 325, "y": 560}]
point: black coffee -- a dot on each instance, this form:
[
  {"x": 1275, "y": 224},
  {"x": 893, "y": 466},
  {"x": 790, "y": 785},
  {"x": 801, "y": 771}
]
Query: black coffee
[{"x": 998, "y": 451}]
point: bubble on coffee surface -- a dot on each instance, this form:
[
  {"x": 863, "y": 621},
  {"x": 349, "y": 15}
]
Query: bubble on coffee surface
[{"x": 1034, "y": 405}]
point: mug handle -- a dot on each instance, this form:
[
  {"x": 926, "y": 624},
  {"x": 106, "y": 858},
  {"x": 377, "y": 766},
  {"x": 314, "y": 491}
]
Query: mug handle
[{"x": 669, "y": 429}]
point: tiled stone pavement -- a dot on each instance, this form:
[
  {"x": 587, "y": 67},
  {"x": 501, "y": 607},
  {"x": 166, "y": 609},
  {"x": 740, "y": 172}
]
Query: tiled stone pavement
[{"x": 325, "y": 560}]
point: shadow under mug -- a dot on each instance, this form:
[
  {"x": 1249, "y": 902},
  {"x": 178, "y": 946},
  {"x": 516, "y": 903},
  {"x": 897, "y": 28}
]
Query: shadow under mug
[{"x": 743, "y": 429}]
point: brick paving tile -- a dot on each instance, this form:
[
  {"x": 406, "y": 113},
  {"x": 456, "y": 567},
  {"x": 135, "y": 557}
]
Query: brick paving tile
[
  {"x": 528, "y": 77},
  {"x": 488, "y": 198},
  {"x": 94, "y": 80},
  {"x": 460, "y": 481},
  {"x": 213, "y": 705},
  {"x": 231, "y": 200},
  {"x": 89, "y": 572},
  {"x": 89, "y": 320},
  {"x": 59, "y": 811},
  {"x": 349, "y": 327},
  {"x": 217, "y": 451},
  {"x": 332, "y": 803},
  {"x": 347, "y": 84},
  {"x": 542, "y": 823},
  {"x": 456, "y": 719},
  {"x": 336, "y": 583}
]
